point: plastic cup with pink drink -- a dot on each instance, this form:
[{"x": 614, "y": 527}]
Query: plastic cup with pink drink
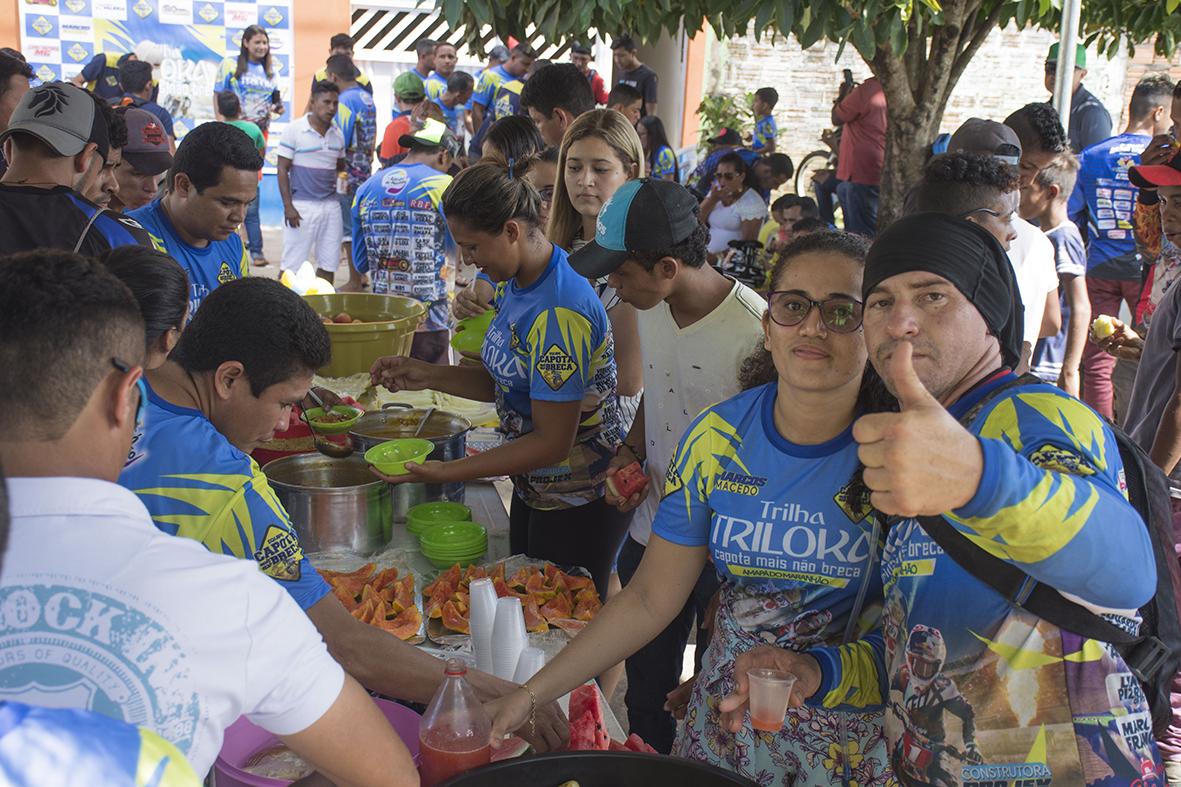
[{"x": 768, "y": 694}]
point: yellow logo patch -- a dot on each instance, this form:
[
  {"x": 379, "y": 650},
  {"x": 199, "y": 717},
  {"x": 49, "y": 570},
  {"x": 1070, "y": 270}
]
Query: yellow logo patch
[
  {"x": 556, "y": 367},
  {"x": 224, "y": 274},
  {"x": 279, "y": 555}
]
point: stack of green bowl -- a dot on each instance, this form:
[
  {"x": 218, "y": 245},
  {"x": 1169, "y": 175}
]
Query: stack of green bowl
[
  {"x": 448, "y": 543},
  {"x": 420, "y": 518}
]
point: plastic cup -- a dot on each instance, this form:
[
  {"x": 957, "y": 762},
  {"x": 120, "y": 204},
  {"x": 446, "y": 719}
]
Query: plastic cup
[
  {"x": 508, "y": 637},
  {"x": 481, "y": 620},
  {"x": 529, "y": 664},
  {"x": 770, "y": 691}
]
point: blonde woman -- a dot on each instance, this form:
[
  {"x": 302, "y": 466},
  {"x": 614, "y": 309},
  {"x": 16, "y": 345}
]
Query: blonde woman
[{"x": 600, "y": 152}]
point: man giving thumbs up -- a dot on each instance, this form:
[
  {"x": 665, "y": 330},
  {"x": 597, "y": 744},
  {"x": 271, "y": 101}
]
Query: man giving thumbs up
[{"x": 971, "y": 683}]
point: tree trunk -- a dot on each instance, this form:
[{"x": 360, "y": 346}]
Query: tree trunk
[
  {"x": 909, "y": 135},
  {"x": 918, "y": 86}
]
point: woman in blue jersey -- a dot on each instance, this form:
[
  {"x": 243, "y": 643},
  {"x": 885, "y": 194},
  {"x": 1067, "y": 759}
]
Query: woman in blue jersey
[
  {"x": 252, "y": 79},
  {"x": 662, "y": 159},
  {"x": 548, "y": 363},
  {"x": 766, "y": 485},
  {"x": 161, "y": 288}
]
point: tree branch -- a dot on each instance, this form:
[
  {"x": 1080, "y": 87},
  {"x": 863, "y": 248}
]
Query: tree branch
[{"x": 978, "y": 37}]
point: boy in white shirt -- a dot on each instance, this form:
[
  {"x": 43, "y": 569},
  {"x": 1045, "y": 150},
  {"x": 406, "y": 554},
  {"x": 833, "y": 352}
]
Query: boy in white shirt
[
  {"x": 696, "y": 327},
  {"x": 102, "y": 611}
]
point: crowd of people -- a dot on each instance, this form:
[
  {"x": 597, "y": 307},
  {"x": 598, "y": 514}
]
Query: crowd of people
[{"x": 868, "y": 466}]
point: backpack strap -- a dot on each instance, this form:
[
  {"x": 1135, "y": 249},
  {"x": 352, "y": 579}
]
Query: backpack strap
[
  {"x": 86, "y": 230},
  {"x": 1144, "y": 655}
]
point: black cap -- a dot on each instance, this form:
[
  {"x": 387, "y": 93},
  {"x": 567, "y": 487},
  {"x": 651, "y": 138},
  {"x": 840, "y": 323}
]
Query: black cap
[
  {"x": 726, "y": 136},
  {"x": 642, "y": 215}
]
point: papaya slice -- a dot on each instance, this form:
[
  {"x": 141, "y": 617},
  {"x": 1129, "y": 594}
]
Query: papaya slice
[
  {"x": 453, "y": 620},
  {"x": 497, "y": 573},
  {"x": 405, "y": 625},
  {"x": 559, "y": 607},
  {"x": 534, "y": 622},
  {"x": 349, "y": 585},
  {"x": 346, "y": 598},
  {"x": 403, "y": 594},
  {"x": 537, "y": 587},
  {"x": 519, "y": 579},
  {"x": 384, "y": 578},
  {"x": 576, "y": 583},
  {"x": 587, "y": 609},
  {"x": 363, "y": 573},
  {"x": 568, "y": 625}
]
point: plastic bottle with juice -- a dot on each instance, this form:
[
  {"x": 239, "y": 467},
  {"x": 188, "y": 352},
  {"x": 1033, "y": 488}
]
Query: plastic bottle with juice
[{"x": 455, "y": 734}]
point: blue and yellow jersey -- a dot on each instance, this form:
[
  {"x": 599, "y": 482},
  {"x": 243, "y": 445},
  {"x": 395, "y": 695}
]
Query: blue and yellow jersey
[
  {"x": 362, "y": 79},
  {"x": 507, "y": 100},
  {"x": 52, "y": 746},
  {"x": 435, "y": 84},
  {"x": 787, "y": 525},
  {"x": 766, "y": 130},
  {"x": 551, "y": 342},
  {"x": 102, "y": 75},
  {"x": 664, "y": 164},
  {"x": 356, "y": 117},
  {"x": 961, "y": 670},
  {"x": 220, "y": 262},
  {"x": 256, "y": 91},
  {"x": 490, "y": 79},
  {"x": 402, "y": 240},
  {"x": 197, "y": 485}
]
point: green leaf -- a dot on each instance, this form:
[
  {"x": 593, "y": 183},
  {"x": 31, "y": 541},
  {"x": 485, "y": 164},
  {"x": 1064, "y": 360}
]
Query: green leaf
[
  {"x": 864, "y": 41},
  {"x": 814, "y": 32},
  {"x": 785, "y": 16},
  {"x": 1171, "y": 6},
  {"x": 898, "y": 37},
  {"x": 933, "y": 5},
  {"x": 763, "y": 18}
]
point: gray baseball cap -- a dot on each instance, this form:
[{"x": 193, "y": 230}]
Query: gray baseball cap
[
  {"x": 988, "y": 138},
  {"x": 147, "y": 142},
  {"x": 63, "y": 116}
]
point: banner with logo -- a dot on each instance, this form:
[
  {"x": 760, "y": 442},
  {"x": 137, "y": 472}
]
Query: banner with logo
[{"x": 186, "y": 41}]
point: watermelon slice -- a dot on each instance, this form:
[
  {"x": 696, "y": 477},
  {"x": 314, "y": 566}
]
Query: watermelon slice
[
  {"x": 587, "y": 730},
  {"x": 626, "y": 481},
  {"x": 511, "y": 747},
  {"x": 636, "y": 743}
]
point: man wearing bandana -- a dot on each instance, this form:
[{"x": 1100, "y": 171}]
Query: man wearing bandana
[{"x": 1035, "y": 479}]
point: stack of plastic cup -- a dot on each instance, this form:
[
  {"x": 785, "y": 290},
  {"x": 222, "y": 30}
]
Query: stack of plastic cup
[
  {"x": 508, "y": 637},
  {"x": 481, "y": 620},
  {"x": 529, "y": 664}
]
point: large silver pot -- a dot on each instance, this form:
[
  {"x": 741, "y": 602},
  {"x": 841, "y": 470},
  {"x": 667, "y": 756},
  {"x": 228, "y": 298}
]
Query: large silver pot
[
  {"x": 335, "y": 504},
  {"x": 448, "y": 431}
]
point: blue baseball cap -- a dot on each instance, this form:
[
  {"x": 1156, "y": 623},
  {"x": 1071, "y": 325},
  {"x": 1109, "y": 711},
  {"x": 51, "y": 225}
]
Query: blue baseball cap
[{"x": 641, "y": 216}]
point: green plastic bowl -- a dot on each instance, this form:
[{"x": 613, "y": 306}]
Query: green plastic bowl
[
  {"x": 470, "y": 333},
  {"x": 391, "y": 456},
  {"x": 453, "y": 535},
  {"x": 464, "y": 562},
  {"x": 352, "y": 415},
  {"x": 466, "y": 548},
  {"x": 423, "y": 515}
]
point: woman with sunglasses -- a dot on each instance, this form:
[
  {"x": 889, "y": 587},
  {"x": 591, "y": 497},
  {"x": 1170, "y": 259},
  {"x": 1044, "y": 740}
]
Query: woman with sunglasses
[
  {"x": 766, "y": 484},
  {"x": 732, "y": 210}
]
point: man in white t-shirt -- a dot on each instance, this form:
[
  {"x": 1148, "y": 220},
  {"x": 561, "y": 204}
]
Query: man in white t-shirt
[
  {"x": 311, "y": 153},
  {"x": 101, "y": 611},
  {"x": 696, "y": 327},
  {"x": 1031, "y": 253}
]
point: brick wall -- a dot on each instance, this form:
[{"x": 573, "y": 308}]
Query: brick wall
[{"x": 1006, "y": 73}]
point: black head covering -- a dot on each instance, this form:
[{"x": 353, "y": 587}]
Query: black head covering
[{"x": 965, "y": 254}]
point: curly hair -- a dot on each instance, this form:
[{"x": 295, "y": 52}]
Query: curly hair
[
  {"x": 958, "y": 183},
  {"x": 1038, "y": 128},
  {"x": 759, "y": 367}
]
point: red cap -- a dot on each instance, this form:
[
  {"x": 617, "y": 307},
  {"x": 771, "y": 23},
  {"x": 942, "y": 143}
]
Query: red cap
[{"x": 1156, "y": 175}]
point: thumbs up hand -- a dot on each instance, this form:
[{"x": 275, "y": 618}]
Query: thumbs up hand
[{"x": 919, "y": 461}]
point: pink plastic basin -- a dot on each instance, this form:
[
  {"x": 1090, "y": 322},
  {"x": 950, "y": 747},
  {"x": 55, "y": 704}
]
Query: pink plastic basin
[{"x": 244, "y": 738}]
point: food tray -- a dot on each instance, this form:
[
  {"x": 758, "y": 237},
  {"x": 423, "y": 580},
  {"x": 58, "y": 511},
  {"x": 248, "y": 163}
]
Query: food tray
[
  {"x": 390, "y": 558},
  {"x": 549, "y": 641}
]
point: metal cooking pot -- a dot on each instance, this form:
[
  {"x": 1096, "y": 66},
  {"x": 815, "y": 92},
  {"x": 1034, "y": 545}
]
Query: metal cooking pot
[
  {"x": 335, "y": 504},
  {"x": 448, "y": 431}
]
